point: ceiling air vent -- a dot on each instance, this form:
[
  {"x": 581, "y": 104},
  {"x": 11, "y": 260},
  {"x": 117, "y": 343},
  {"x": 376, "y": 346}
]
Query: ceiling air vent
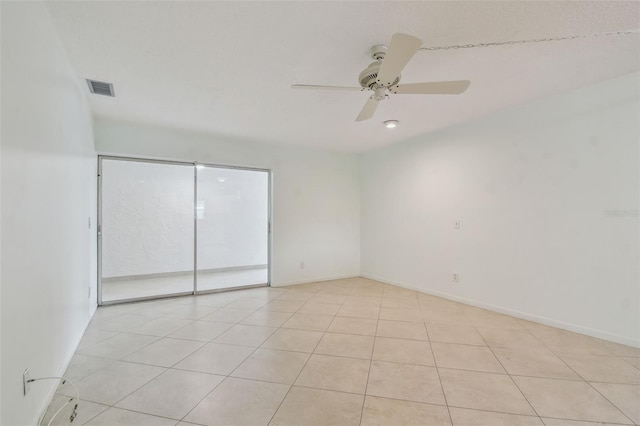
[{"x": 101, "y": 88}]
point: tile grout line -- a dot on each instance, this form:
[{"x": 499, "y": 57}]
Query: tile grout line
[
  {"x": 315, "y": 293},
  {"x": 510, "y": 377},
  {"x": 435, "y": 362},
  {"x": 231, "y": 372},
  {"x": 373, "y": 348},
  {"x": 155, "y": 377},
  {"x": 595, "y": 389},
  {"x": 300, "y": 372}
]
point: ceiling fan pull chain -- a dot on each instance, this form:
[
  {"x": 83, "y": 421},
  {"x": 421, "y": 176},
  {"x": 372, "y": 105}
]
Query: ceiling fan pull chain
[{"x": 537, "y": 40}]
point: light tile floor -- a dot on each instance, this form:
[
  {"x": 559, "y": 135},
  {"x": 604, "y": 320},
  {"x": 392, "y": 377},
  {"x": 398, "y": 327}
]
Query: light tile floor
[{"x": 346, "y": 352}]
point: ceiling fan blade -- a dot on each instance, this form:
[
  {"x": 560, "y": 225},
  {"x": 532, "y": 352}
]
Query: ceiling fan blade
[
  {"x": 368, "y": 110},
  {"x": 318, "y": 87},
  {"x": 401, "y": 49},
  {"x": 432, "y": 88}
]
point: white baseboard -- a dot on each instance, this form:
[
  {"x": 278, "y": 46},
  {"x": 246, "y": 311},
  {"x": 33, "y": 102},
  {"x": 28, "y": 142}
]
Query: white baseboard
[
  {"x": 60, "y": 372},
  {"x": 314, "y": 280},
  {"x": 518, "y": 314}
]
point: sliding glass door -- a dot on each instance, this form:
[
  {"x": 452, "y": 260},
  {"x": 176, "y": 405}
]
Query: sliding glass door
[
  {"x": 150, "y": 220},
  {"x": 232, "y": 211},
  {"x": 146, "y": 229}
]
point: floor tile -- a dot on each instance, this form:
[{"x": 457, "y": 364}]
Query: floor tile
[
  {"x": 386, "y": 412},
  {"x": 564, "y": 422},
  {"x": 483, "y": 391},
  {"x": 85, "y": 412},
  {"x": 595, "y": 368},
  {"x": 568, "y": 399},
  {"x": 308, "y": 322},
  {"x": 394, "y": 314},
  {"x": 335, "y": 290},
  {"x": 633, "y": 361},
  {"x": 124, "y": 323},
  {"x": 537, "y": 363},
  {"x": 215, "y": 358},
  {"x": 349, "y": 345},
  {"x": 192, "y": 312},
  {"x": 363, "y": 301},
  {"x": 272, "y": 366},
  {"x": 297, "y": 296},
  {"x": 397, "y": 302},
  {"x": 402, "y": 350},
  {"x": 239, "y": 402},
  {"x": 362, "y": 326},
  {"x": 217, "y": 300},
  {"x": 172, "y": 394},
  {"x": 82, "y": 366},
  {"x": 366, "y": 292},
  {"x": 466, "y": 357},
  {"x": 358, "y": 311},
  {"x": 245, "y": 335},
  {"x": 565, "y": 342},
  {"x": 335, "y": 373},
  {"x": 467, "y": 417},
  {"x": 319, "y": 308},
  {"x": 94, "y": 335},
  {"x": 161, "y": 326},
  {"x": 337, "y": 299},
  {"x": 228, "y": 315},
  {"x": 119, "y": 417},
  {"x": 402, "y": 330},
  {"x": 165, "y": 352},
  {"x": 625, "y": 397},
  {"x": 621, "y": 350},
  {"x": 267, "y": 318},
  {"x": 393, "y": 291},
  {"x": 403, "y": 381},
  {"x": 353, "y": 335},
  {"x": 509, "y": 338},
  {"x": 119, "y": 346},
  {"x": 493, "y": 320},
  {"x": 293, "y": 340},
  {"x": 316, "y": 407},
  {"x": 445, "y": 317},
  {"x": 449, "y": 333},
  {"x": 203, "y": 331},
  {"x": 247, "y": 303},
  {"x": 116, "y": 381}
]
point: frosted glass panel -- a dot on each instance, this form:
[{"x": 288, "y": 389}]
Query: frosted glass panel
[
  {"x": 232, "y": 211},
  {"x": 147, "y": 229}
]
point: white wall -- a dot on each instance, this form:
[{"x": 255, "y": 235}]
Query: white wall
[
  {"x": 534, "y": 188},
  {"x": 47, "y": 181},
  {"x": 315, "y": 193}
]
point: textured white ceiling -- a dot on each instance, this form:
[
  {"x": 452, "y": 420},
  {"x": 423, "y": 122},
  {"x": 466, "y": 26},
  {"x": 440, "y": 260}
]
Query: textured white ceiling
[{"x": 226, "y": 67}]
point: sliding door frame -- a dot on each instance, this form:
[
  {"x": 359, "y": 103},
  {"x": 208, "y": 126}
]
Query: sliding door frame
[{"x": 195, "y": 165}]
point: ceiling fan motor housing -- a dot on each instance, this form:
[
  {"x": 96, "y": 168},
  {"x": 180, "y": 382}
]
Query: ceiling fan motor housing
[{"x": 369, "y": 77}]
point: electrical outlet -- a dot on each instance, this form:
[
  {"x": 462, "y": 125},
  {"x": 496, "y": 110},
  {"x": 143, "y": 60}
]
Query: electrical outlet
[
  {"x": 455, "y": 278},
  {"x": 26, "y": 384}
]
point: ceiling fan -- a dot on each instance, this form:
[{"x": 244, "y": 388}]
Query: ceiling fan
[{"x": 383, "y": 76}]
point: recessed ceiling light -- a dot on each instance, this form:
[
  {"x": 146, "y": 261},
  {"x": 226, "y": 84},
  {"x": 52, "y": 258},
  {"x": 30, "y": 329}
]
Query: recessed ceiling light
[{"x": 391, "y": 124}]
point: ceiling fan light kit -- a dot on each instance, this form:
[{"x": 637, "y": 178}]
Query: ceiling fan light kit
[
  {"x": 391, "y": 124},
  {"x": 382, "y": 77}
]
